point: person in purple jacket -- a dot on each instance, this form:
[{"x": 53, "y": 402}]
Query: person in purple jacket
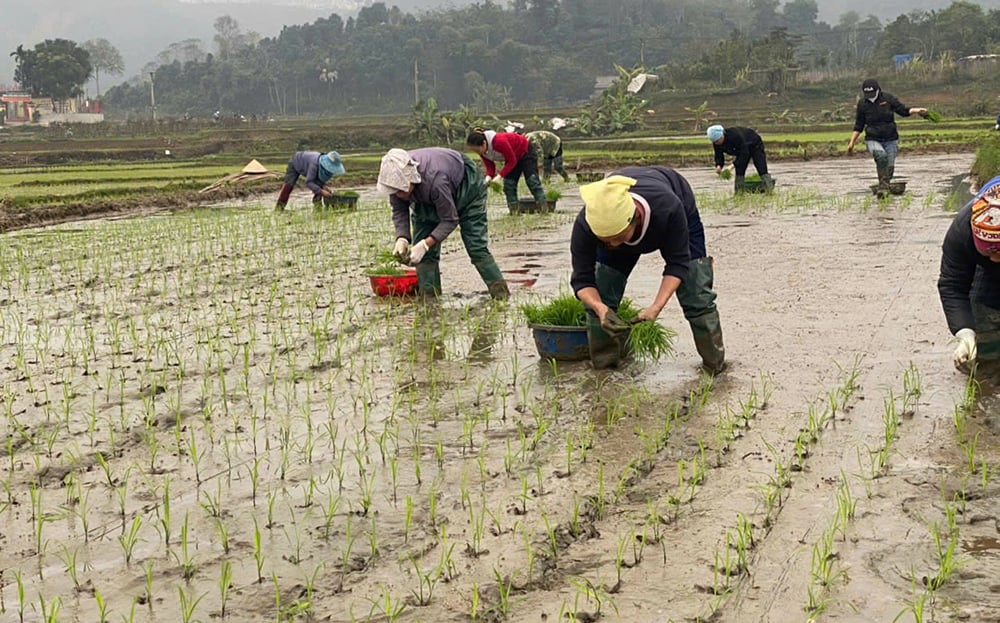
[
  {"x": 316, "y": 168},
  {"x": 438, "y": 189},
  {"x": 635, "y": 211}
]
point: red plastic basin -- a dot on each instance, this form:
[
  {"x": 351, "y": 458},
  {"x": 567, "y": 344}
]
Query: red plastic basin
[{"x": 394, "y": 285}]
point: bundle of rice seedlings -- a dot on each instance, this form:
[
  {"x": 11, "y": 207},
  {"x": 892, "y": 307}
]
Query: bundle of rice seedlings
[
  {"x": 386, "y": 265},
  {"x": 495, "y": 186},
  {"x": 647, "y": 340},
  {"x": 726, "y": 174},
  {"x": 933, "y": 116},
  {"x": 563, "y": 311}
]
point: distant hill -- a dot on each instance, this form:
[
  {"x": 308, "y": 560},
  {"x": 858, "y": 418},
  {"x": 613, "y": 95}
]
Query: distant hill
[{"x": 140, "y": 29}]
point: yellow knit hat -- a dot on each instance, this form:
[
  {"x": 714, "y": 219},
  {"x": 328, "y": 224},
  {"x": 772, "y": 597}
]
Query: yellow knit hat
[{"x": 608, "y": 204}]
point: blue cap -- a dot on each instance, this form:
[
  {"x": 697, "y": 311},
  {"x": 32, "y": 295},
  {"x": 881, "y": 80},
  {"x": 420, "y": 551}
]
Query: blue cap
[
  {"x": 330, "y": 165},
  {"x": 714, "y": 132}
]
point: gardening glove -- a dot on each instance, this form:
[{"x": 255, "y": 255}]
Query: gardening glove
[
  {"x": 417, "y": 252},
  {"x": 965, "y": 352},
  {"x": 401, "y": 250},
  {"x": 612, "y": 324}
]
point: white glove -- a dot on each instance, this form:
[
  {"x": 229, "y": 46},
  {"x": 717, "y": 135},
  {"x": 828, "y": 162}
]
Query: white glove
[
  {"x": 417, "y": 252},
  {"x": 965, "y": 352},
  {"x": 487, "y": 180},
  {"x": 401, "y": 250}
]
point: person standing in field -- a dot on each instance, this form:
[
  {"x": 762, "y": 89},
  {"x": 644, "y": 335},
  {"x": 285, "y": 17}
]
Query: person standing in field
[
  {"x": 634, "y": 212},
  {"x": 876, "y": 116},
  {"x": 438, "y": 189},
  {"x": 548, "y": 147},
  {"x": 316, "y": 168},
  {"x": 969, "y": 282},
  {"x": 518, "y": 158},
  {"x": 745, "y": 145}
]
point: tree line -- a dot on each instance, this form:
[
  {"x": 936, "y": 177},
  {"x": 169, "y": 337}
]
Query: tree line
[{"x": 532, "y": 52}]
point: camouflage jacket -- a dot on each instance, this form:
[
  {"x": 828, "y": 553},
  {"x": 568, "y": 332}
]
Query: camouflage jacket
[{"x": 545, "y": 143}]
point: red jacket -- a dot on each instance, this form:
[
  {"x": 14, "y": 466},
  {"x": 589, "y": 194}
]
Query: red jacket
[{"x": 512, "y": 147}]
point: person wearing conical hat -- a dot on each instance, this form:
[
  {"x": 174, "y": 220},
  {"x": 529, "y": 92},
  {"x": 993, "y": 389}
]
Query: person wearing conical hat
[
  {"x": 316, "y": 168},
  {"x": 435, "y": 190},
  {"x": 634, "y": 212},
  {"x": 969, "y": 282}
]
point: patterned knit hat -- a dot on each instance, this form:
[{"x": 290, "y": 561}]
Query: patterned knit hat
[{"x": 986, "y": 219}]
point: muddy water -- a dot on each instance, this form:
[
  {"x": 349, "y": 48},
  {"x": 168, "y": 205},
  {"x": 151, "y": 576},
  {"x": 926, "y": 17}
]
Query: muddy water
[{"x": 223, "y": 383}]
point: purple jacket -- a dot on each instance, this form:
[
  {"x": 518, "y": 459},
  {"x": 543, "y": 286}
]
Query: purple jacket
[
  {"x": 306, "y": 164},
  {"x": 441, "y": 173}
]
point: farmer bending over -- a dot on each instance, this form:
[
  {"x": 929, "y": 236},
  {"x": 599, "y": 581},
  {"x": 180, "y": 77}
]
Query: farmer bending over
[
  {"x": 518, "y": 158},
  {"x": 316, "y": 168},
  {"x": 440, "y": 189},
  {"x": 548, "y": 147},
  {"x": 969, "y": 284},
  {"x": 639, "y": 210},
  {"x": 746, "y": 145}
]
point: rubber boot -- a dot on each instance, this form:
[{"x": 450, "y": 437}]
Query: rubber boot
[
  {"x": 740, "y": 185},
  {"x": 535, "y": 186},
  {"x": 429, "y": 279},
  {"x": 514, "y": 208},
  {"x": 605, "y": 350},
  {"x": 707, "y": 331},
  {"x": 767, "y": 182},
  {"x": 510, "y": 190},
  {"x": 499, "y": 290},
  {"x": 283, "y": 196}
]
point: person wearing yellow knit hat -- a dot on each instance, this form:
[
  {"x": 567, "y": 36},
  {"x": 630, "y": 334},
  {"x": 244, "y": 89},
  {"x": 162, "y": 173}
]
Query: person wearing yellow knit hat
[
  {"x": 969, "y": 282},
  {"x": 633, "y": 212}
]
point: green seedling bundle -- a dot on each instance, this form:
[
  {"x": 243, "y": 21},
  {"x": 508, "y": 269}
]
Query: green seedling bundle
[{"x": 647, "y": 340}]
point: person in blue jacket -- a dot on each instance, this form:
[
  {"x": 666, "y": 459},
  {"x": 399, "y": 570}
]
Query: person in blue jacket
[
  {"x": 634, "y": 212},
  {"x": 317, "y": 169}
]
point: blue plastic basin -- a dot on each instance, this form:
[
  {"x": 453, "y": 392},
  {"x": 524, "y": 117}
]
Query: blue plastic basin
[{"x": 561, "y": 343}]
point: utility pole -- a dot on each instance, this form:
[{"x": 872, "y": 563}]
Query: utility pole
[
  {"x": 416, "y": 82},
  {"x": 152, "y": 95}
]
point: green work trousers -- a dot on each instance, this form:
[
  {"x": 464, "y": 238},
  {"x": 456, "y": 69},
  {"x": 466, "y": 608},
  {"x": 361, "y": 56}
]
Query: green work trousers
[
  {"x": 470, "y": 201},
  {"x": 697, "y": 300}
]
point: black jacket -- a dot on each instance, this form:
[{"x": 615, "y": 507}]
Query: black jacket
[
  {"x": 740, "y": 142},
  {"x": 966, "y": 274},
  {"x": 675, "y": 229},
  {"x": 878, "y": 119}
]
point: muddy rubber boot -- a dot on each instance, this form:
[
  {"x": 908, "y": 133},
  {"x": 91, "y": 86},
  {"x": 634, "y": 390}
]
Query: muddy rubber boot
[
  {"x": 510, "y": 190},
  {"x": 605, "y": 350},
  {"x": 740, "y": 184},
  {"x": 707, "y": 331},
  {"x": 767, "y": 182},
  {"x": 514, "y": 208},
  {"x": 283, "y": 196},
  {"x": 499, "y": 290},
  {"x": 535, "y": 186},
  {"x": 429, "y": 280}
]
